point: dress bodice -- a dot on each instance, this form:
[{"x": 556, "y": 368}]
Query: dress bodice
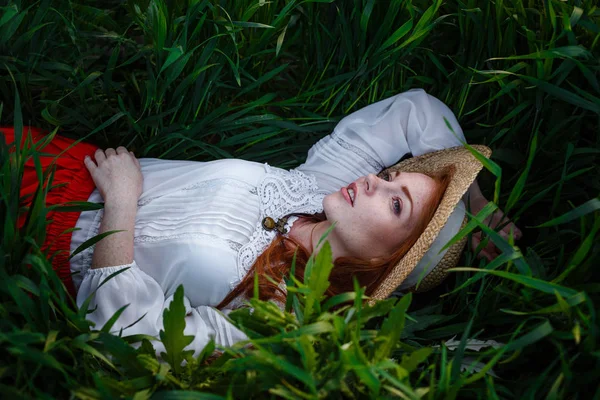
[{"x": 199, "y": 223}]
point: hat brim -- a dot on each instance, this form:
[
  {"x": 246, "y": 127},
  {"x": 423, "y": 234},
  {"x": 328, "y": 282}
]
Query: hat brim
[{"x": 467, "y": 168}]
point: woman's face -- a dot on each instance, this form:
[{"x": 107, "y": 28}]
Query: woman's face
[{"x": 375, "y": 215}]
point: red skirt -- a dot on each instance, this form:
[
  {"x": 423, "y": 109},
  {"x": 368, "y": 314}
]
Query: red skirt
[{"x": 72, "y": 182}]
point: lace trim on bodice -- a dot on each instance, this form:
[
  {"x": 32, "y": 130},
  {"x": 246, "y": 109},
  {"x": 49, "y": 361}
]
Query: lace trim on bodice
[{"x": 281, "y": 193}]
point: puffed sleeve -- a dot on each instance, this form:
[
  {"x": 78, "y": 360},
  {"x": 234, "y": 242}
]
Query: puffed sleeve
[
  {"x": 146, "y": 298},
  {"x": 379, "y": 135}
]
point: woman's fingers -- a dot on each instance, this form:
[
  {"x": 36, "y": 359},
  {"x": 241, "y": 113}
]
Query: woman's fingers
[
  {"x": 137, "y": 162},
  {"x": 489, "y": 255},
  {"x": 495, "y": 219},
  {"x": 516, "y": 231},
  {"x": 505, "y": 232},
  {"x": 99, "y": 156},
  {"x": 499, "y": 218},
  {"x": 489, "y": 251},
  {"x": 116, "y": 173},
  {"x": 90, "y": 164},
  {"x": 476, "y": 240}
]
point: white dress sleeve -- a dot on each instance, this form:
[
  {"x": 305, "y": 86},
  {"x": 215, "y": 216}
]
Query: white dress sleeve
[
  {"x": 145, "y": 296},
  {"x": 379, "y": 135}
]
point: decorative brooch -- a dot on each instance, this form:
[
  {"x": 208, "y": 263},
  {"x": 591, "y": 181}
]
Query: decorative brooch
[{"x": 269, "y": 224}]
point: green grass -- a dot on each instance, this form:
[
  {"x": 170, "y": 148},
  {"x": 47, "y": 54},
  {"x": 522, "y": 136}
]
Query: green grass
[{"x": 263, "y": 80}]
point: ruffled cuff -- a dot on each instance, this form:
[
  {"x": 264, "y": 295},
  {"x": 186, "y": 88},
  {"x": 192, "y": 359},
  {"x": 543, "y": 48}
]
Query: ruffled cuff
[
  {"x": 109, "y": 270},
  {"x": 131, "y": 287}
]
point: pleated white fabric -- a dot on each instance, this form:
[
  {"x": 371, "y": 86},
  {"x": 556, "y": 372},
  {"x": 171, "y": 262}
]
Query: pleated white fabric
[{"x": 199, "y": 223}]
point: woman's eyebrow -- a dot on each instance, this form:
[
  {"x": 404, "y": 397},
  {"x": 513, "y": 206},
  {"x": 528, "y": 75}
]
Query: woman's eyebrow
[{"x": 405, "y": 190}]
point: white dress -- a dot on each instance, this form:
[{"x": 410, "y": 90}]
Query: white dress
[{"x": 199, "y": 223}]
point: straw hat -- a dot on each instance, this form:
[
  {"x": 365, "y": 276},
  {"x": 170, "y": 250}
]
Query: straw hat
[{"x": 467, "y": 168}]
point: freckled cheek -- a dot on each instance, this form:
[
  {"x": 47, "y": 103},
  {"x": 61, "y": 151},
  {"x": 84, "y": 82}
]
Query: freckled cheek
[{"x": 379, "y": 227}]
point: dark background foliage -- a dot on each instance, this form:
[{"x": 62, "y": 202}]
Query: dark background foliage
[{"x": 263, "y": 81}]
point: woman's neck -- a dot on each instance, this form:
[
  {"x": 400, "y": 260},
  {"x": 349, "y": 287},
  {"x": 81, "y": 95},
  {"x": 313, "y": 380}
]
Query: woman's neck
[{"x": 308, "y": 233}]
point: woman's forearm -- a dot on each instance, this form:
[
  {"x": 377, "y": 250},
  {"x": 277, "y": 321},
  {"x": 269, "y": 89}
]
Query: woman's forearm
[
  {"x": 117, "y": 248},
  {"x": 118, "y": 176}
]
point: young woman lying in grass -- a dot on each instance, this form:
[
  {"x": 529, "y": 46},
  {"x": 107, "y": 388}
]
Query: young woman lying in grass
[{"x": 211, "y": 226}]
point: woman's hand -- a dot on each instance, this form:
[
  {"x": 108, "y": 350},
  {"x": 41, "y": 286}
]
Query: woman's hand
[
  {"x": 117, "y": 175},
  {"x": 494, "y": 220}
]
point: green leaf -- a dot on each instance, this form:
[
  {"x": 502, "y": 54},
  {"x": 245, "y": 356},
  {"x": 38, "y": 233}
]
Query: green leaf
[
  {"x": 391, "y": 330},
  {"x": 485, "y": 212},
  {"x": 517, "y": 190},
  {"x": 246, "y": 24},
  {"x": 528, "y": 281},
  {"x": 92, "y": 241},
  {"x": 158, "y": 18},
  {"x": 586, "y": 245},
  {"x": 36, "y": 357},
  {"x": 356, "y": 359},
  {"x": 565, "y": 95},
  {"x": 338, "y": 299},
  {"x": 283, "y": 366},
  {"x": 558, "y": 52},
  {"x": 174, "y": 55},
  {"x": 185, "y": 395},
  {"x": 80, "y": 344},
  {"x": 107, "y": 123},
  {"x": 264, "y": 78},
  {"x": 316, "y": 277},
  {"x": 8, "y": 13},
  {"x": 77, "y": 206},
  {"x": 109, "y": 324},
  {"x": 411, "y": 361},
  {"x": 535, "y": 335},
  {"x": 86, "y": 82},
  {"x": 234, "y": 67},
  {"x": 18, "y": 125},
  {"x": 366, "y": 14},
  {"x": 397, "y": 35},
  {"x": 9, "y": 24},
  {"x": 586, "y": 208},
  {"x": 172, "y": 336},
  {"x": 556, "y": 308},
  {"x": 280, "y": 41}
]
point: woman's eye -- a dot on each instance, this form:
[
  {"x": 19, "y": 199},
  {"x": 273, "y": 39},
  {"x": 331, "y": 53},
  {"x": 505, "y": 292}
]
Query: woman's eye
[
  {"x": 387, "y": 176},
  {"x": 397, "y": 206}
]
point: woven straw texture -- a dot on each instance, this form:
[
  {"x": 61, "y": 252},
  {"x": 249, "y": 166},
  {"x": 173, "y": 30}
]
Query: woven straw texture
[
  {"x": 440, "y": 271},
  {"x": 467, "y": 168}
]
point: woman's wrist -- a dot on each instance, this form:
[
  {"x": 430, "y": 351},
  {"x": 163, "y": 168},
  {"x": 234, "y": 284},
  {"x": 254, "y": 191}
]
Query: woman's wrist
[
  {"x": 120, "y": 203},
  {"x": 117, "y": 248}
]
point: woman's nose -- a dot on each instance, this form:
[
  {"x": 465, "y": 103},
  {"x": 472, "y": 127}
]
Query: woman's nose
[{"x": 371, "y": 183}]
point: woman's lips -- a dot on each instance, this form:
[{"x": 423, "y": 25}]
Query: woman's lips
[{"x": 347, "y": 196}]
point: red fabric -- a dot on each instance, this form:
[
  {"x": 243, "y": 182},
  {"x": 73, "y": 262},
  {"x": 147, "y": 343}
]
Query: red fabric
[{"x": 74, "y": 184}]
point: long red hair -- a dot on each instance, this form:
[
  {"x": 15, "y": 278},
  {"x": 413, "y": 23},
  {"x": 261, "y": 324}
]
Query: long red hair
[{"x": 275, "y": 262}]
